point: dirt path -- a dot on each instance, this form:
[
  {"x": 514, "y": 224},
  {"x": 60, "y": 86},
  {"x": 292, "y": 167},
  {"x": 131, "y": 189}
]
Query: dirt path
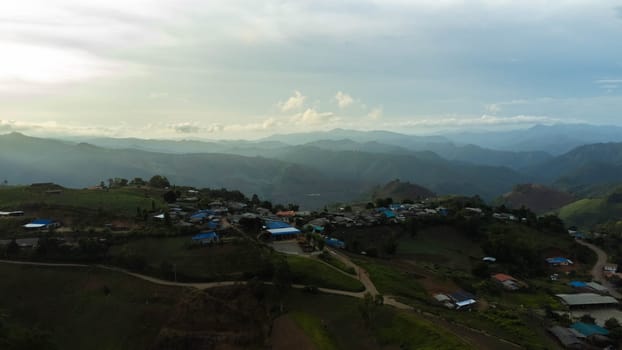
[
  {"x": 362, "y": 275},
  {"x": 598, "y": 274}
]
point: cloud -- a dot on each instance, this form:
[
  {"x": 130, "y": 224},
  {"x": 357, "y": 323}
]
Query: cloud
[
  {"x": 186, "y": 128},
  {"x": 343, "y": 99},
  {"x": 609, "y": 85},
  {"x": 484, "y": 120},
  {"x": 608, "y": 81},
  {"x": 493, "y": 108},
  {"x": 295, "y": 102},
  {"x": 375, "y": 113},
  {"x": 313, "y": 117}
]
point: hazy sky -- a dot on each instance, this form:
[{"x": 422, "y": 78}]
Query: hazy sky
[{"x": 238, "y": 69}]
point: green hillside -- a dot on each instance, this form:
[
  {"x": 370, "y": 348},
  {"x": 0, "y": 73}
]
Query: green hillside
[{"x": 589, "y": 212}]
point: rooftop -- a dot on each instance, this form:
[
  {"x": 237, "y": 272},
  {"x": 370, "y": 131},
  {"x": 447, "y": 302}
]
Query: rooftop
[{"x": 586, "y": 299}]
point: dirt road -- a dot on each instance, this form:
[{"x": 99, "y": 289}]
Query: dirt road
[{"x": 598, "y": 272}]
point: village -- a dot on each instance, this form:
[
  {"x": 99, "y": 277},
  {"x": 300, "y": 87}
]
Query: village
[{"x": 583, "y": 319}]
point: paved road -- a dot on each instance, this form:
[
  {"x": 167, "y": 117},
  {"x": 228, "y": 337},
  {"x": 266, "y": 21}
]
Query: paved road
[{"x": 598, "y": 272}]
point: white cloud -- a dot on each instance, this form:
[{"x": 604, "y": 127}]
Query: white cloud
[
  {"x": 313, "y": 117},
  {"x": 493, "y": 108},
  {"x": 608, "y": 81},
  {"x": 484, "y": 120},
  {"x": 186, "y": 128},
  {"x": 375, "y": 113},
  {"x": 343, "y": 99},
  {"x": 295, "y": 102}
]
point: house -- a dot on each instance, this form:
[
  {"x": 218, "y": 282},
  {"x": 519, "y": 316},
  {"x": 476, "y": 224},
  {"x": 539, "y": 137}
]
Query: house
[
  {"x": 588, "y": 329},
  {"x": 274, "y": 224},
  {"x": 579, "y": 285},
  {"x": 335, "y": 243},
  {"x": 286, "y": 215},
  {"x": 463, "y": 300},
  {"x": 41, "y": 224},
  {"x": 22, "y": 242},
  {"x": 567, "y": 338},
  {"x": 508, "y": 282},
  {"x": 445, "y": 300},
  {"x": 610, "y": 268},
  {"x": 474, "y": 210},
  {"x": 206, "y": 237},
  {"x": 597, "y": 288},
  {"x": 12, "y": 213},
  {"x": 284, "y": 233},
  {"x": 489, "y": 259},
  {"x": 586, "y": 300},
  {"x": 559, "y": 261}
]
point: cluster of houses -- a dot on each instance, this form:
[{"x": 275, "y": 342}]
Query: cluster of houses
[
  {"x": 582, "y": 335},
  {"x": 591, "y": 298}
]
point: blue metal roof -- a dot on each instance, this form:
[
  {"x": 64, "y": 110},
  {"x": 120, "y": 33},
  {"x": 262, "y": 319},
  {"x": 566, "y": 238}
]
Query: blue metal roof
[
  {"x": 212, "y": 225},
  {"x": 205, "y": 235},
  {"x": 318, "y": 228},
  {"x": 270, "y": 225},
  {"x": 42, "y": 222},
  {"x": 389, "y": 214},
  {"x": 589, "y": 329},
  {"x": 334, "y": 242},
  {"x": 578, "y": 284},
  {"x": 199, "y": 216}
]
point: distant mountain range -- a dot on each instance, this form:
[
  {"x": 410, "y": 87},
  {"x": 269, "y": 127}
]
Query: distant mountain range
[{"x": 333, "y": 166}]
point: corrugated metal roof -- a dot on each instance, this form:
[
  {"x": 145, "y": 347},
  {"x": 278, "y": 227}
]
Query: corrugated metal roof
[
  {"x": 205, "y": 235},
  {"x": 565, "y": 336},
  {"x": 270, "y": 225},
  {"x": 586, "y": 299},
  {"x": 597, "y": 287},
  {"x": 284, "y": 231},
  {"x": 589, "y": 329}
]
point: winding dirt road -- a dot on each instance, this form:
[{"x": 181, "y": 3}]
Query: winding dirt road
[{"x": 598, "y": 274}]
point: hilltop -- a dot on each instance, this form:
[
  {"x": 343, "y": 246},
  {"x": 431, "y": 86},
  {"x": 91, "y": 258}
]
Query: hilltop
[
  {"x": 538, "y": 198},
  {"x": 400, "y": 191}
]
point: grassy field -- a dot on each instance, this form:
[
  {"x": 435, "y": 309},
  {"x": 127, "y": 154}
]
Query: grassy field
[
  {"x": 330, "y": 259},
  {"x": 218, "y": 262},
  {"x": 122, "y": 201},
  {"x": 311, "y": 272},
  {"x": 408, "y": 331},
  {"x": 312, "y": 326},
  {"x": 335, "y": 323},
  {"x": 586, "y": 213},
  {"x": 392, "y": 281},
  {"x": 71, "y": 305}
]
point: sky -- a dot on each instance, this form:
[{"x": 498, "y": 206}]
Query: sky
[{"x": 233, "y": 69}]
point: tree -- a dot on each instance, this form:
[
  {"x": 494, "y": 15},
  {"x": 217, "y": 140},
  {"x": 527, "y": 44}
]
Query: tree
[
  {"x": 612, "y": 323},
  {"x": 587, "y": 319},
  {"x": 138, "y": 181},
  {"x": 159, "y": 181},
  {"x": 170, "y": 197},
  {"x": 255, "y": 200}
]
